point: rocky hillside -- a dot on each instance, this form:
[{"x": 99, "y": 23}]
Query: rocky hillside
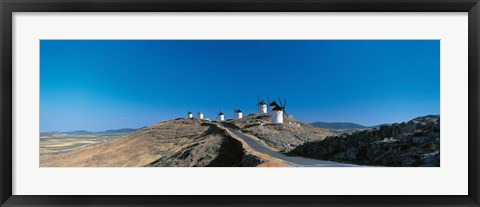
[
  {"x": 280, "y": 137},
  {"x": 176, "y": 143},
  {"x": 413, "y": 143}
]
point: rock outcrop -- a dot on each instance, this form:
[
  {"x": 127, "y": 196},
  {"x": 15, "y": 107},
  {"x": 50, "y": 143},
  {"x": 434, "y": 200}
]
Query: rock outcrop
[{"x": 412, "y": 143}]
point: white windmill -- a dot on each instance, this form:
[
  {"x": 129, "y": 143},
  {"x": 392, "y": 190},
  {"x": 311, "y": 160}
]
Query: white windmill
[
  {"x": 277, "y": 115},
  {"x": 190, "y": 115},
  {"x": 262, "y": 106},
  {"x": 238, "y": 114},
  {"x": 200, "y": 115},
  {"x": 220, "y": 116},
  {"x": 278, "y": 111}
]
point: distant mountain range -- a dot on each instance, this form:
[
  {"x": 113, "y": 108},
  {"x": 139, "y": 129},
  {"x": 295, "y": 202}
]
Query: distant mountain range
[
  {"x": 338, "y": 125},
  {"x": 111, "y": 131},
  {"x": 342, "y": 125}
]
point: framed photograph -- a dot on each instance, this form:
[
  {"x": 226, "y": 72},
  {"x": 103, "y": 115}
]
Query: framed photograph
[{"x": 239, "y": 103}]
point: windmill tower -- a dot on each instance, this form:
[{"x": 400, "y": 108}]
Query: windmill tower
[
  {"x": 190, "y": 115},
  {"x": 200, "y": 115},
  {"x": 220, "y": 116},
  {"x": 238, "y": 114},
  {"x": 262, "y": 106},
  {"x": 277, "y": 115},
  {"x": 278, "y": 111}
]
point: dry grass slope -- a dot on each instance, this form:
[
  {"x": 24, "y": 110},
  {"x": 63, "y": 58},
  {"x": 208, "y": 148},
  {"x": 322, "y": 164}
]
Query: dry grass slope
[{"x": 136, "y": 149}]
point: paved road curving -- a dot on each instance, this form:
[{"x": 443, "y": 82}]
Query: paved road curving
[{"x": 299, "y": 161}]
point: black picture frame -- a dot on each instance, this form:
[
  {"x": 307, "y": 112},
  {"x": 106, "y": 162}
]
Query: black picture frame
[{"x": 9, "y": 6}]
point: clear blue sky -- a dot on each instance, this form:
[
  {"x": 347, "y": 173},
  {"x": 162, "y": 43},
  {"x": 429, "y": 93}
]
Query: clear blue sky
[{"x": 99, "y": 84}]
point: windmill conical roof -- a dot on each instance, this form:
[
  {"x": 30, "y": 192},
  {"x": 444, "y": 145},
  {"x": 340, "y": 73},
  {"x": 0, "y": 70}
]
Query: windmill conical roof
[
  {"x": 277, "y": 108},
  {"x": 221, "y": 113},
  {"x": 238, "y": 111},
  {"x": 273, "y": 103},
  {"x": 262, "y": 102}
]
